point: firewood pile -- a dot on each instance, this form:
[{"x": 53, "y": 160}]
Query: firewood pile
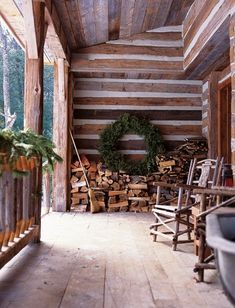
[
  {"x": 118, "y": 191},
  {"x": 173, "y": 166}
]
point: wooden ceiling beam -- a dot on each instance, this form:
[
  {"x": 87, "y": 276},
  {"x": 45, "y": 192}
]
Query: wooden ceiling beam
[
  {"x": 30, "y": 29},
  {"x": 56, "y": 39},
  {"x": 13, "y": 20}
]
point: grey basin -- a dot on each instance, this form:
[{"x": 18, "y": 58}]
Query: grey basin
[{"x": 220, "y": 235}]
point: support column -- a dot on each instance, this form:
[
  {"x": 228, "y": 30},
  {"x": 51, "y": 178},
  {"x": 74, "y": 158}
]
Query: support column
[
  {"x": 213, "y": 114},
  {"x": 33, "y": 101},
  {"x": 232, "y": 67},
  {"x": 34, "y": 16},
  {"x": 60, "y": 135}
]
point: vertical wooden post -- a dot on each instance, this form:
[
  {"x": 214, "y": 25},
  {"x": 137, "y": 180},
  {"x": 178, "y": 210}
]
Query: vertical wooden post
[
  {"x": 33, "y": 105},
  {"x": 232, "y": 67},
  {"x": 60, "y": 135},
  {"x": 213, "y": 115},
  {"x": 2, "y": 208},
  {"x": 33, "y": 101},
  {"x": 70, "y": 125},
  {"x": 46, "y": 191}
]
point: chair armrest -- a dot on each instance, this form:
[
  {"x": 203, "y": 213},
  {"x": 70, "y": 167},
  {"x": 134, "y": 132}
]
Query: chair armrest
[
  {"x": 184, "y": 209},
  {"x": 219, "y": 190},
  {"x": 187, "y": 187},
  {"x": 167, "y": 185}
]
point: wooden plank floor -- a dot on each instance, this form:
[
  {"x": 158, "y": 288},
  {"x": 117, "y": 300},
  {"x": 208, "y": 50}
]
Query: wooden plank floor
[{"x": 105, "y": 260}]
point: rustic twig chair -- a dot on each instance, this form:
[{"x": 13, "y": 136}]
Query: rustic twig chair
[
  {"x": 170, "y": 217},
  {"x": 205, "y": 253}
]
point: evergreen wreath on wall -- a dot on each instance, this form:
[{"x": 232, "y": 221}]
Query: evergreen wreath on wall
[{"x": 110, "y": 136}]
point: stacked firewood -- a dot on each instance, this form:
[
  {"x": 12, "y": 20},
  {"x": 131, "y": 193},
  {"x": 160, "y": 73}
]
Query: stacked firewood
[
  {"x": 118, "y": 191},
  {"x": 122, "y": 191},
  {"x": 173, "y": 166},
  {"x": 118, "y": 201},
  {"x": 79, "y": 188}
]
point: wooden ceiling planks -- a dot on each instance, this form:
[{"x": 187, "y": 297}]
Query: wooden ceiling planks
[
  {"x": 92, "y": 22},
  {"x": 150, "y": 15},
  {"x": 65, "y": 17},
  {"x": 101, "y": 20},
  {"x": 178, "y": 11},
  {"x": 75, "y": 22},
  {"x": 163, "y": 12},
  {"x": 88, "y": 21},
  {"x": 138, "y": 16},
  {"x": 114, "y": 18},
  {"x": 126, "y": 18}
]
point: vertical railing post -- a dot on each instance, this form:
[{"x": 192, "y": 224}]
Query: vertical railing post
[{"x": 46, "y": 191}]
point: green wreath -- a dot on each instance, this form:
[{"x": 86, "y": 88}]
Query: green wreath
[{"x": 110, "y": 136}]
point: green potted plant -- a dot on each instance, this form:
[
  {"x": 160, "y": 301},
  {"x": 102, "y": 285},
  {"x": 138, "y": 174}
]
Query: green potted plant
[{"x": 20, "y": 150}]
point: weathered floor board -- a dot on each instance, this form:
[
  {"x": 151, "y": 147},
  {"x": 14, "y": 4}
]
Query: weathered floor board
[{"x": 105, "y": 261}]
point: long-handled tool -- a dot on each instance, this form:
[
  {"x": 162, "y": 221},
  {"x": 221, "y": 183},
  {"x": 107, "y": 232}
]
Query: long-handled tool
[{"x": 94, "y": 206}]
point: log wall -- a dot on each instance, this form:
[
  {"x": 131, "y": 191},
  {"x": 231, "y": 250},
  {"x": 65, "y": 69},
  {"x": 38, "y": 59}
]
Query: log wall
[
  {"x": 232, "y": 68},
  {"x": 206, "y": 37},
  {"x": 210, "y": 108},
  {"x": 142, "y": 79}
]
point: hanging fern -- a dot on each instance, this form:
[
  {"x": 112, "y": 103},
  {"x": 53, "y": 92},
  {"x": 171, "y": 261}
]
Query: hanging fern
[{"x": 14, "y": 144}]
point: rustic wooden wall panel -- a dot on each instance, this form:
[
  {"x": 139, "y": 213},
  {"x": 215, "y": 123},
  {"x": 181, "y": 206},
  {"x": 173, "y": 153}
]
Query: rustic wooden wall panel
[
  {"x": 232, "y": 67},
  {"x": 108, "y": 82},
  {"x": 205, "y": 34},
  {"x": 205, "y": 107},
  {"x": 210, "y": 105}
]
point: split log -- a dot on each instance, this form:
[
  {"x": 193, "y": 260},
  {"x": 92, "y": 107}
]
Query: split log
[
  {"x": 117, "y": 193},
  {"x": 138, "y": 186},
  {"x": 119, "y": 204}
]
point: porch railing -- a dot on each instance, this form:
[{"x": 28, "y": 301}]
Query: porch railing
[{"x": 20, "y": 212}]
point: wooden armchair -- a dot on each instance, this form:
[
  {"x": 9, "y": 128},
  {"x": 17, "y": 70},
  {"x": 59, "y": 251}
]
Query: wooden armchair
[
  {"x": 205, "y": 253},
  {"x": 169, "y": 219}
]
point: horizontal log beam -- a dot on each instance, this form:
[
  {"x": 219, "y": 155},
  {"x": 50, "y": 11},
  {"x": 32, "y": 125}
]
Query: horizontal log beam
[
  {"x": 130, "y": 137},
  {"x": 138, "y": 101},
  {"x": 149, "y": 42},
  {"x": 84, "y": 93},
  {"x": 142, "y": 81},
  {"x": 133, "y": 85},
  {"x": 156, "y": 122},
  {"x": 164, "y": 129},
  {"x": 125, "y": 49},
  {"x": 151, "y": 115},
  {"x": 110, "y": 65},
  {"x": 126, "y": 148}
]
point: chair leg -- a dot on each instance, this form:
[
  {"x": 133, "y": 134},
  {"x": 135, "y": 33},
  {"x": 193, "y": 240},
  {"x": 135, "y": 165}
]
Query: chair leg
[
  {"x": 201, "y": 256},
  {"x": 175, "y": 238},
  {"x": 155, "y": 229},
  {"x": 189, "y": 230}
]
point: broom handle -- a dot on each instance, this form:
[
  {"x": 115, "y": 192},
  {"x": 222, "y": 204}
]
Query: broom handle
[{"x": 76, "y": 150}]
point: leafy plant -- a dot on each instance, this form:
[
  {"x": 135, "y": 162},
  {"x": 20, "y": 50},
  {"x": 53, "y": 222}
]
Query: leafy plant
[{"x": 14, "y": 144}]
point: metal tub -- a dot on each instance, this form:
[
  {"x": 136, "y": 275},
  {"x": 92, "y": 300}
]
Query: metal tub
[{"x": 220, "y": 235}]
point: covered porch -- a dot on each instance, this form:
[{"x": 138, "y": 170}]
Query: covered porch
[
  {"x": 171, "y": 62},
  {"x": 105, "y": 260}
]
